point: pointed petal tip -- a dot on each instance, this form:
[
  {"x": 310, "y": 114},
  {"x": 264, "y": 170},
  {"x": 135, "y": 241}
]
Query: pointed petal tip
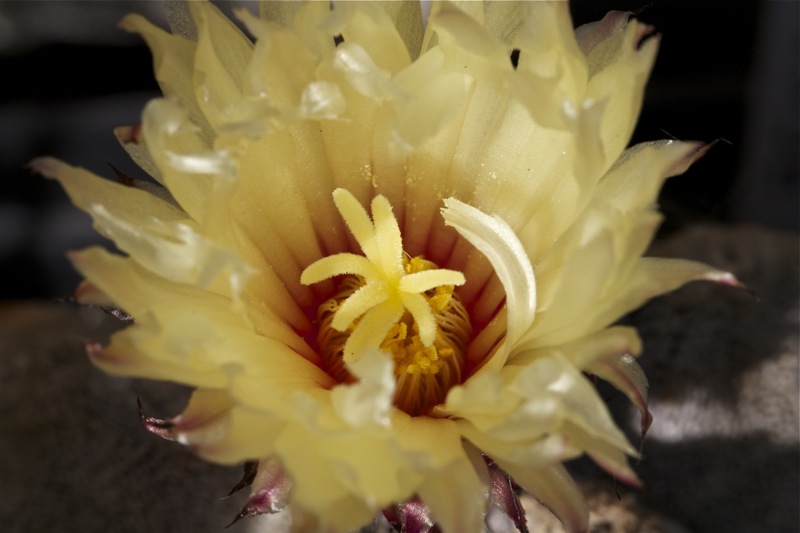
[
  {"x": 271, "y": 486},
  {"x": 412, "y": 516},
  {"x": 646, "y": 422},
  {"x": 249, "y": 475},
  {"x": 129, "y": 134},
  {"x": 44, "y": 165},
  {"x": 162, "y": 428},
  {"x": 703, "y": 148},
  {"x": 503, "y": 496},
  {"x": 100, "y": 356},
  {"x": 726, "y": 278},
  {"x": 128, "y": 23}
]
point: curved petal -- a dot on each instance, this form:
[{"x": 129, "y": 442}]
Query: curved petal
[
  {"x": 625, "y": 374},
  {"x": 497, "y": 241},
  {"x": 556, "y": 489},
  {"x": 173, "y": 61}
]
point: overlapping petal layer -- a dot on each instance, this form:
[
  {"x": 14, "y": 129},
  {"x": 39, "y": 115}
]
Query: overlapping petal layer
[{"x": 546, "y": 215}]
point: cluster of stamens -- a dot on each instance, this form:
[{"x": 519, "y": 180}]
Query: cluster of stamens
[{"x": 387, "y": 301}]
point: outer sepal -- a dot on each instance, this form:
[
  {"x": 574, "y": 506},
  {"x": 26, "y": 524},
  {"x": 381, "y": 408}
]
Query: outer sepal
[
  {"x": 412, "y": 516},
  {"x": 503, "y": 496},
  {"x": 270, "y": 490}
]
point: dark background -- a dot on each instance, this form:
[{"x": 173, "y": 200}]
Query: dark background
[{"x": 726, "y": 70}]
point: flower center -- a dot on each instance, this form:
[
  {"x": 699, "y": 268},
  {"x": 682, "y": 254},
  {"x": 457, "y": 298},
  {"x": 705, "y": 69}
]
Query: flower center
[{"x": 390, "y": 303}]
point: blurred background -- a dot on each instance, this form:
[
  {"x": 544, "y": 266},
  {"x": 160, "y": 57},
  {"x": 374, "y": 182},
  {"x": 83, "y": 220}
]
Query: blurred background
[{"x": 726, "y": 70}]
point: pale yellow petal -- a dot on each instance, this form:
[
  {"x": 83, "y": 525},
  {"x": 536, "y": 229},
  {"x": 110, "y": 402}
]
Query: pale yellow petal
[
  {"x": 173, "y": 61},
  {"x": 130, "y": 353},
  {"x": 249, "y": 434},
  {"x": 304, "y": 18},
  {"x": 220, "y": 59},
  {"x": 434, "y": 448},
  {"x": 369, "y": 401},
  {"x": 186, "y": 166},
  {"x": 619, "y": 83},
  {"x": 556, "y": 489},
  {"x": 370, "y": 26},
  {"x": 622, "y": 371},
  {"x": 456, "y": 510},
  {"x": 205, "y": 420},
  {"x": 86, "y": 190},
  {"x": 497, "y": 241},
  {"x": 150, "y": 298},
  {"x": 585, "y": 351},
  {"x": 407, "y": 19},
  {"x": 651, "y": 277}
]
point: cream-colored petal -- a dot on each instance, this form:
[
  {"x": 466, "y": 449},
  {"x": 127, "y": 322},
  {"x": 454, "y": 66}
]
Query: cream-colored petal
[
  {"x": 497, "y": 241},
  {"x": 456, "y": 29},
  {"x": 595, "y": 33},
  {"x": 504, "y": 20},
  {"x": 368, "y": 402},
  {"x": 456, "y": 510},
  {"x": 548, "y": 51},
  {"x": 150, "y": 298},
  {"x": 284, "y": 172},
  {"x": 268, "y": 203},
  {"x": 318, "y": 486},
  {"x": 536, "y": 452},
  {"x": 186, "y": 166},
  {"x": 537, "y": 414},
  {"x": 607, "y": 454},
  {"x": 610, "y": 235},
  {"x": 282, "y": 13},
  {"x": 173, "y": 61},
  {"x": 635, "y": 178},
  {"x": 220, "y": 59},
  {"x": 205, "y": 420},
  {"x": 87, "y": 190},
  {"x": 585, "y": 351},
  {"x": 371, "y": 27},
  {"x": 620, "y": 85},
  {"x": 249, "y": 434},
  {"x": 433, "y": 448},
  {"x": 408, "y": 166},
  {"x": 436, "y": 100},
  {"x": 651, "y": 277},
  {"x": 304, "y": 18},
  {"x": 625, "y": 374},
  {"x": 347, "y": 143},
  {"x": 175, "y": 251},
  {"x": 130, "y": 353},
  {"x": 407, "y": 19},
  {"x": 154, "y": 232},
  {"x": 556, "y": 489}
]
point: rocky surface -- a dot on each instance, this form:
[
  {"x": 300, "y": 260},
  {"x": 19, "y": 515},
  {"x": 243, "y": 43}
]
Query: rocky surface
[{"x": 722, "y": 454}]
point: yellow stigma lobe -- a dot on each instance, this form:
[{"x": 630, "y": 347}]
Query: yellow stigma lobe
[{"x": 388, "y": 289}]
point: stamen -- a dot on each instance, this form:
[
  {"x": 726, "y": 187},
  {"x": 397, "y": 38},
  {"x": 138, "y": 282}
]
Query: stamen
[
  {"x": 382, "y": 245},
  {"x": 390, "y": 302}
]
